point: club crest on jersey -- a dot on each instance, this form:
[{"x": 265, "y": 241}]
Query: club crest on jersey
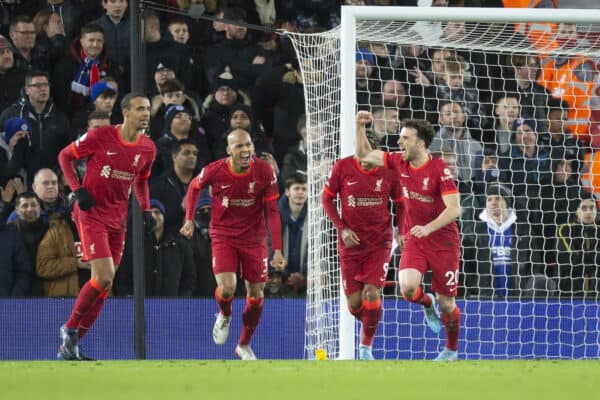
[
  {"x": 378, "y": 184},
  {"x": 136, "y": 159},
  {"x": 225, "y": 202},
  {"x": 251, "y": 187},
  {"x": 425, "y": 183}
]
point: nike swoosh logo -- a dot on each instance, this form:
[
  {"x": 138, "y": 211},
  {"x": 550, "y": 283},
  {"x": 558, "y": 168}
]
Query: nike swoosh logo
[
  {"x": 404, "y": 176},
  {"x": 352, "y": 183},
  {"x": 111, "y": 153},
  {"x": 225, "y": 186}
]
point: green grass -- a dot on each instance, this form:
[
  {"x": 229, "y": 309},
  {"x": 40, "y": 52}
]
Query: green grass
[{"x": 306, "y": 380}]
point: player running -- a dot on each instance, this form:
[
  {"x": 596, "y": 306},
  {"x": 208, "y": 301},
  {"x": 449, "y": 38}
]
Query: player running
[
  {"x": 364, "y": 237},
  {"x": 242, "y": 186},
  {"x": 431, "y": 206},
  {"x": 118, "y": 156}
]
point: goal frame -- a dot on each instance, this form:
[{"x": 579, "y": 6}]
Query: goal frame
[{"x": 348, "y": 39}]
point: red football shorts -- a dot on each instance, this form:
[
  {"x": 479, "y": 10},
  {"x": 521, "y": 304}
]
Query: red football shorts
[
  {"x": 253, "y": 260},
  {"x": 99, "y": 240},
  {"x": 443, "y": 262},
  {"x": 368, "y": 268}
]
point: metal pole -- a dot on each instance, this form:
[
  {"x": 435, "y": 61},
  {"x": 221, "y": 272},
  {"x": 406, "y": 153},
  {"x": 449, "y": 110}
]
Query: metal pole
[{"x": 137, "y": 223}]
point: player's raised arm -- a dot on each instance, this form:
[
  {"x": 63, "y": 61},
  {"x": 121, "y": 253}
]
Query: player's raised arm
[
  {"x": 450, "y": 213},
  {"x": 362, "y": 148}
]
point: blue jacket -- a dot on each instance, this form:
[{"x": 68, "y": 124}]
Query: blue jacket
[
  {"x": 16, "y": 270},
  {"x": 294, "y": 233}
]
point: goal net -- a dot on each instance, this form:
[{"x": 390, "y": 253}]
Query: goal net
[{"x": 512, "y": 95}]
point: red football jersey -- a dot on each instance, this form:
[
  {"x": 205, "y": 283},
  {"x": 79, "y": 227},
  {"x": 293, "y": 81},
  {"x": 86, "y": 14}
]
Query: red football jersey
[
  {"x": 422, "y": 190},
  {"x": 111, "y": 168},
  {"x": 364, "y": 196},
  {"x": 238, "y": 209}
]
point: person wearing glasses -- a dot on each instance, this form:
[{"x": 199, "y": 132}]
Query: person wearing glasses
[
  {"x": 50, "y": 128},
  {"x": 22, "y": 35}
]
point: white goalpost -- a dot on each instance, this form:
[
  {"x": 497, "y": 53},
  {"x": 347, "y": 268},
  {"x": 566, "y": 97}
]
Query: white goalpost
[{"x": 520, "y": 300}]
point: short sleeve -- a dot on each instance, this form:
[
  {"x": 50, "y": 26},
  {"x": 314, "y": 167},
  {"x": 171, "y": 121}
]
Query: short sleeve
[
  {"x": 391, "y": 160},
  {"x": 146, "y": 169},
  {"x": 333, "y": 186},
  {"x": 272, "y": 191},
  {"x": 447, "y": 184},
  {"x": 86, "y": 144}
]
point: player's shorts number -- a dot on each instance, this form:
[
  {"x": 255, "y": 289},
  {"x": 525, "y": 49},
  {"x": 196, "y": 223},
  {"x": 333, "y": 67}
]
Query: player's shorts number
[
  {"x": 452, "y": 278},
  {"x": 265, "y": 266}
]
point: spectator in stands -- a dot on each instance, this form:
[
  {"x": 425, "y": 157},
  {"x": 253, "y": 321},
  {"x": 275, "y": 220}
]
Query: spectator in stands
[
  {"x": 486, "y": 169},
  {"x": 559, "y": 201},
  {"x": 15, "y": 141},
  {"x": 51, "y": 130},
  {"x": 385, "y": 126},
  {"x": 170, "y": 187},
  {"x": 367, "y": 83},
  {"x": 577, "y": 249},
  {"x": 293, "y": 209},
  {"x": 570, "y": 78},
  {"x": 455, "y": 135},
  {"x": 179, "y": 31},
  {"x": 501, "y": 248},
  {"x": 454, "y": 87},
  {"x": 278, "y": 102},
  {"x": 206, "y": 283},
  {"x": 11, "y": 77},
  {"x": 15, "y": 266},
  {"x": 162, "y": 49},
  {"x": 170, "y": 269},
  {"x": 32, "y": 229},
  {"x": 532, "y": 96},
  {"x": 50, "y": 43},
  {"x": 22, "y": 34},
  {"x": 246, "y": 60},
  {"x": 170, "y": 92},
  {"x": 562, "y": 143},
  {"x": 58, "y": 261},
  {"x": 71, "y": 14},
  {"x": 525, "y": 168},
  {"x": 8, "y": 193},
  {"x": 217, "y": 106},
  {"x": 295, "y": 159},
  {"x": 85, "y": 63},
  {"x": 46, "y": 188},
  {"x": 179, "y": 126},
  {"x": 116, "y": 27},
  {"x": 103, "y": 97},
  {"x": 506, "y": 111}
]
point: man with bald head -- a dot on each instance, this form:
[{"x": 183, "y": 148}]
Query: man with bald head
[
  {"x": 45, "y": 186},
  {"x": 242, "y": 187}
]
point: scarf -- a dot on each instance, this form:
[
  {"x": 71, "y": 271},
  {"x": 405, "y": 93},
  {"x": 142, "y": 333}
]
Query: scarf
[{"x": 87, "y": 75}]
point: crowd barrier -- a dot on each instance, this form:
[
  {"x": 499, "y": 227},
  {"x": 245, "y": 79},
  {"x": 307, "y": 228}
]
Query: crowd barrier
[{"x": 182, "y": 329}]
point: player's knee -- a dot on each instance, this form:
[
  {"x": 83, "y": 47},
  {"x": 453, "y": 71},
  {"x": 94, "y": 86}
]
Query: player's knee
[
  {"x": 227, "y": 291},
  {"x": 446, "y": 307},
  {"x": 371, "y": 294},
  {"x": 105, "y": 282},
  {"x": 408, "y": 291}
]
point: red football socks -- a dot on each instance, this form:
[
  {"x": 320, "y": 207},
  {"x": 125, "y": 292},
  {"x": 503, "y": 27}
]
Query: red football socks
[
  {"x": 370, "y": 316},
  {"x": 419, "y": 297},
  {"x": 452, "y": 325},
  {"x": 224, "y": 304},
  {"x": 88, "y": 295},
  {"x": 90, "y": 317},
  {"x": 250, "y": 318}
]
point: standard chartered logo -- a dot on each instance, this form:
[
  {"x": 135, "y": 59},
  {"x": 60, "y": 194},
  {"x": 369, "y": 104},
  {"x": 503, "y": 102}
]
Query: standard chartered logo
[
  {"x": 105, "y": 173},
  {"x": 351, "y": 201}
]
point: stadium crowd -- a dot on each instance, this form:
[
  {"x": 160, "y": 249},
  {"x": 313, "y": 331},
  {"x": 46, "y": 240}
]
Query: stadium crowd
[{"x": 513, "y": 128}]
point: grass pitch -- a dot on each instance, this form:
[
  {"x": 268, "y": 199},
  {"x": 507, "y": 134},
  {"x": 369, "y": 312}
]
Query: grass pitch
[{"x": 306, "y": 380}]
